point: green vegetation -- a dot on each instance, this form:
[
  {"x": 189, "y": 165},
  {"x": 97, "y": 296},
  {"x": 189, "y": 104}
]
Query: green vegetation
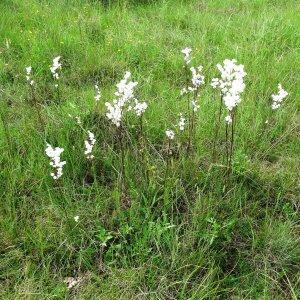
[{"x": 181, "y": 228}]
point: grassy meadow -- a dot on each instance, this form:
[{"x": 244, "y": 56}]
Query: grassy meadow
[{"x": 181, "y": 226}]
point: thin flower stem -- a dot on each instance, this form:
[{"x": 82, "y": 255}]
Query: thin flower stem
[
  {"x": 168, "y": 161},
  {"x": 217, "y": 128},
  {"x": 232, "y": 138},
  {"x": 226, "y": 138},
  {"x": 122, "y": 159},
  {"x": 193, "y": 121},
  {"x": 188, "y": 109}
]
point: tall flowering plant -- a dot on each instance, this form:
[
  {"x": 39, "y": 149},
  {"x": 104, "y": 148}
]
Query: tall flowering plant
[
  {"x": 195, "y": 80},
  {"x": 231, "y": 85},
  {"x": 124, "y": 102},
  {"x": 279, "y": 97},
  {"x": 31, "y": 84},
  {"x": 55, "y": 71},
  {"x": 55, "y": 161}
]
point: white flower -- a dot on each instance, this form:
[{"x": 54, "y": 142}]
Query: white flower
[
  {"x": 89, "y": 144},
  {"x": 72, "y": 282},
  {"x": 98, "y": 93},
  {"x": 196, "y": 81},
  {"x": 140, "y": 108},
  {"x": 56, "y": 163},
  {"x": 123, "y": 103},
  {"x": 181, "y": 123},
  {"x": 114, "y": 113},
  {"x": 278, "y": 98},
  {"x": 195, "y": 105},
  {"x": 170, "y": 134},
  {"x": 183, "y": 91},
  {"x": 78, "y": 120},
  {"x": 28, "y": 70},
  {"x": 125, "y": 89},
  {"x": 76, "y": 219},
  {"x": 28, "y": 75},
  {"x": 186, "y": 52},
  {"x": 215, "y": 83},
  {"x": 197, "y": 78},
  {"x": 56, "y": 65},
  {"x": 231, "y": 83},
  {"x": 228, "y": 119}
]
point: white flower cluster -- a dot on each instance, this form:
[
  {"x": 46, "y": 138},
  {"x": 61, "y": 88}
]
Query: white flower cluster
[
  {"x": 125, "y": 101},
  {"x": 28, "y": 75},
  {"x": 72, "y": 282},
  {"x": 195, "y": 105},
  {"x": 187, "y": 55},
  {"x": 78, "y": 120},
  {"x": 140, "y": 107},
  {"x": 278, "y": 98},
  {"x": 56, "y": 163},
  {"x": 89, "y": 144},
  {"x": 170, "y": 134},
  {"x": 228, "y": 119},
  {"x": 231, "y": 83},
  {"x": 183, "y": 91},
  {"x": 56, "y": 65},
  {"x": 197, "y": 78},
  {"x": 98, "y": 93},
  {"x": 181, "y": 123}
]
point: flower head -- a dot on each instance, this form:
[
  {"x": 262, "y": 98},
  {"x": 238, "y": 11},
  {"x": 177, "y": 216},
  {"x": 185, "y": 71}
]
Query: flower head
[
  {"x": 28, "y": 75},
  {"x": 140, "y": 107},
  {"x": 183, "y": 91},
  {"x": 89, "y": 144},
  {"x": 78, "y": 120},
  {"x": 228, "y": 119},
  {"x": 123, "y": 102},
  {"x": 231, "y": 83},
  {"x": 279, "y": 97},
  {"x": 197, "y": 78},
  {"x": 98, "y": 93},
  {"x": 181, "y": 123},
  {"x": 195, "y": 105},
  {"x": 114, "y": 113},
  {"x": 187, "y": 55},
  {"x": 76, "y": 219},
  {"x": 56, "y": 65},
  {"x": 170, "y": 134},
  {"x": 55, "y": 162}
]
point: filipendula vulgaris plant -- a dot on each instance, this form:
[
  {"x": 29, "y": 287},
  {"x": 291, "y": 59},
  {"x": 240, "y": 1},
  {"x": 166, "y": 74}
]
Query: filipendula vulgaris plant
[
  {"x": 277, "y": 100},
  {"x": 170, "y": 135},
  {"x": 89, "y": 144},
  {"x": 55, "y": 162},
  {"x": 194, "y": 81},
  {"x": 124, "y": 102},
  {"x": 279, "y": 97},
  {"x": 97, "y": 96},
  {"x": 33, "y": 98},
  {"x": 231, "y": 85},
  {"x": 55, "y": 68}
]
